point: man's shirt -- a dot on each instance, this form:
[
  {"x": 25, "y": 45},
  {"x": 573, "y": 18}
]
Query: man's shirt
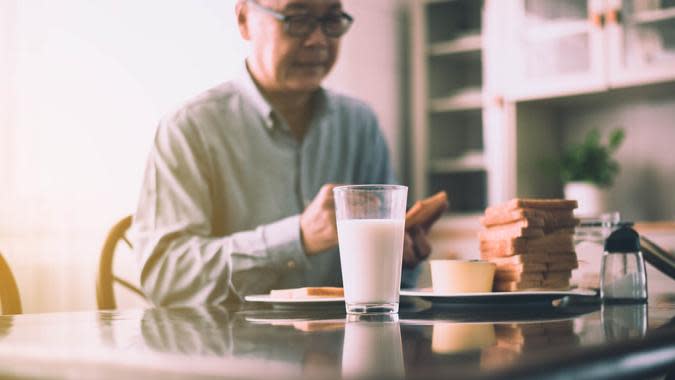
[{"x": 224, "y": 187}]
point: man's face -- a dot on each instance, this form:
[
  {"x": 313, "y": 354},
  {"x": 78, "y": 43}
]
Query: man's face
[{"x": 281, "y": 62}]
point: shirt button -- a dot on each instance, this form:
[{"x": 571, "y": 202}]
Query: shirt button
[{"x": 290, "y": 264}]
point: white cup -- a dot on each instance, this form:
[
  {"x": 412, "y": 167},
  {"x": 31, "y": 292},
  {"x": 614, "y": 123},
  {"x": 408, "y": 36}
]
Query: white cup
[{"x": 462, "y": 276}]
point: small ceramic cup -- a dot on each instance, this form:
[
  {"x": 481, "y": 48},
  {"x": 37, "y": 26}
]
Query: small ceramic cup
[{"x": 462, "y": 276}]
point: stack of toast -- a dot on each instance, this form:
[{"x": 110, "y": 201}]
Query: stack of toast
[{"x": 532, "y": 243}]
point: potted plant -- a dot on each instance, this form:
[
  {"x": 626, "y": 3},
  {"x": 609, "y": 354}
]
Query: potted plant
[{"x": 588, "y": 168}]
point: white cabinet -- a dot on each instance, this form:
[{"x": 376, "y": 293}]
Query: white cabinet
[
  {"x": 552, "y": 47},
  {"x": 553, "y": 61},
  {"x": 447, "y": 109},
  {"x": 641, "y": 35},
  {"x": 499, "y": 86},
  {"x": 490, "y": 80},
  {"x": 555, "y": 48}
]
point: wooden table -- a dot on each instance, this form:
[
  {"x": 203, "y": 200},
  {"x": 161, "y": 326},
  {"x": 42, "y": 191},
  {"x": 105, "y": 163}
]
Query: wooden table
[{"x": 578, "y": 338}]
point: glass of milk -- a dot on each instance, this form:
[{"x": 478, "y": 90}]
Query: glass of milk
[{"x": 371, "y": 223}]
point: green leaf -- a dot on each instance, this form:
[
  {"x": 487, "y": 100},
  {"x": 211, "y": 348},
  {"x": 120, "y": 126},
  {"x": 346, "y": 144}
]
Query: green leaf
[
  {"x": 592, "y": 138},
  {"x": 590, "y": 160},
  {"x": 616, "y": 138}
]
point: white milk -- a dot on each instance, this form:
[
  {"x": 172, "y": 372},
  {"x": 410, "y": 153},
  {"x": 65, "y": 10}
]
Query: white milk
[{"x": 371, "y": 251}]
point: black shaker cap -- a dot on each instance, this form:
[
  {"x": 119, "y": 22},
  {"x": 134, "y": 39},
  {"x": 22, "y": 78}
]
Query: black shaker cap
[{"x": 623, "y": 240}]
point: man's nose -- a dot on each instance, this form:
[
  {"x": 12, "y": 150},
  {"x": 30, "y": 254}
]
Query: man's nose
[{"x": 317, "y": 37}]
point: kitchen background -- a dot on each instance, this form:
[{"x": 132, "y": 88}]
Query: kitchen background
[{"x": 469, "y": 101}]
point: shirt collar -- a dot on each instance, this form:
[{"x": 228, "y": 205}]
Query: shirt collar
[
  {"x": 258, "y": 101},
  {"x": 246, "y": 83}
]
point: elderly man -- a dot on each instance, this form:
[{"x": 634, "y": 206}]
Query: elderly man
[{"x": 237, "y": 195}]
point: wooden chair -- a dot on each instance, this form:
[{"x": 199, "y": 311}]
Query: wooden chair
[
  {"x": 9, "y": 293},
  {"x": 106, "y": 279}
]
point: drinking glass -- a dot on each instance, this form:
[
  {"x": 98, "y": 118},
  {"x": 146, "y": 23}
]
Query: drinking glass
[{"x": 371, "y": 224}]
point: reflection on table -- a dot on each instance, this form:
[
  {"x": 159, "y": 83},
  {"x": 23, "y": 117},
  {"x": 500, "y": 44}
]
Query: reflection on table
[{"x": 250, "y": 342}]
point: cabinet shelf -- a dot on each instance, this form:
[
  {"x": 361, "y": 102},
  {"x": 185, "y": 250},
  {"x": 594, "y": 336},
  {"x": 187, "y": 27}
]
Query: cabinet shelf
[
  {"x": 465, "y": 44},
  {"x": 472, "y": 162},
  {"x": 466, "y": 99},
  {"x": 648, "y": 17},
  {"x": 556, "y": 30},
  {"x": 447, "y": 107}
]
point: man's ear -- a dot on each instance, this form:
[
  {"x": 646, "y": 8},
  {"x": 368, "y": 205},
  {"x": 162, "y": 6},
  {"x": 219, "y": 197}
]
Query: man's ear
[{"x": 241, "y": 9}]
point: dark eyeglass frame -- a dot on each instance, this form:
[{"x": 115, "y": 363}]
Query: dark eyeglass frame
[{"x": 345, "y": 18}]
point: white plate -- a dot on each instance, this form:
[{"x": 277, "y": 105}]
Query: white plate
[
  {"x": 296, "y": 302},
  {"x": 496, "y": 297}
]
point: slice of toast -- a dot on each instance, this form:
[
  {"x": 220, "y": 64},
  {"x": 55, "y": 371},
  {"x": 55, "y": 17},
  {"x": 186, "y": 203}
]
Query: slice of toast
[
  {"x": 510, "y": 286},
  {"x": 496, "y": 253},
  {"x": 321, "y": 291},
  {"x": 550, "y": 218},
  {"x": 522, "y": 267},
  {"x": 496, "y": 216},
  {"x": 559, "y": 230},
  {"x": 489, "y": 252},
  {"x": 559, "y": 241},
  {"x": 561, "y": 257},
  {"x": 519, "y": 259},
  {"x": 558, "y": 284},
  {"x": 524, "y": 223},
  {"x": 552, "y": 243},
  {"x": 312, "y": 326},
  {"x": 560, "y": 266},
  {"x": 558, "y": 275},
  {"x": 565, "y": 204},
  {"x": 519, "y": 277},
  {"x": 556, "y": 263},
  {"x": 422, "y": 211}
]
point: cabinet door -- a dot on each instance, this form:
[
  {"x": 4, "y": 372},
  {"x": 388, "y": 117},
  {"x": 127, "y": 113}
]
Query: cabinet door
[
  {"x": 554, "y": 48},
  {"x": 641, "y": 34}
]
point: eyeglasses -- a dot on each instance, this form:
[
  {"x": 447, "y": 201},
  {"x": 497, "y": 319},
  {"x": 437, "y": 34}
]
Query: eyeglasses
[{"x": 332, "y": 25}]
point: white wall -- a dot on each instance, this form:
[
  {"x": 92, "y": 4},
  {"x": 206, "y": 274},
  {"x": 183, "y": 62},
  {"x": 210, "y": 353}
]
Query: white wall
[
  {"x": 89, "y": 81},
  {"x": 5, "y": 38}
]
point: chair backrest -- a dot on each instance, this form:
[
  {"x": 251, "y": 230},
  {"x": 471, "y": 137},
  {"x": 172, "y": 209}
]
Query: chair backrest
[
  {"x": 106, "y": 279},
  {"x": 9, "y": 293}
]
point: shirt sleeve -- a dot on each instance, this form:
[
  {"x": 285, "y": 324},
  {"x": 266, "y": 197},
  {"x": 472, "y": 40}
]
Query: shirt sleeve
[{"x": 181, "y": 262}]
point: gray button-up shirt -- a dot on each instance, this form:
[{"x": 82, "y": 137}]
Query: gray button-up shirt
[{"x": 225, "y": 183}]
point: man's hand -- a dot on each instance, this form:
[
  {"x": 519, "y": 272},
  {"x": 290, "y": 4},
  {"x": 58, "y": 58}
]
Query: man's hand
[
  {"x": 318, "y": 227},
  {"x": 416, "y": 247}
]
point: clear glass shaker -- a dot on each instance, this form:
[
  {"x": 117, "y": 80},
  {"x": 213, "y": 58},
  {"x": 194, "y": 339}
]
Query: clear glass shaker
[
  {"x": 623, "y": 278},
  {"x": 589, "y": 240}
]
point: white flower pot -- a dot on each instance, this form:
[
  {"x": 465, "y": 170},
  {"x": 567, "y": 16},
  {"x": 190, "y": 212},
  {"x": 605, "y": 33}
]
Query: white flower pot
[{"x": 591, "y": 198}]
